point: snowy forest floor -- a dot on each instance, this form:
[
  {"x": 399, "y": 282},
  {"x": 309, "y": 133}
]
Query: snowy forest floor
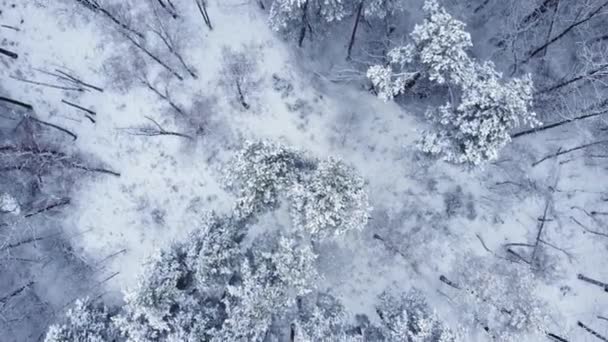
[{"x": 427, "y": 214}]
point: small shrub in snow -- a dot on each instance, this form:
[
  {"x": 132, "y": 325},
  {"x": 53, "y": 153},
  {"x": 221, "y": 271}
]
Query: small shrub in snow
[
  {"x": 408, "y": 318},
  {"x": 9, "y": 205},
  {"x": 85, "y": 322}
]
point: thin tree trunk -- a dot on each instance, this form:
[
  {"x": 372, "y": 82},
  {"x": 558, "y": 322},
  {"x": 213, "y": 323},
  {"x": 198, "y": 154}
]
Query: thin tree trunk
[
  {"x": 351, "y": 43},
  {"x": 559, "y": 123},
  {"x": 304, "y": 24},
  {"x": 559, "y": 153}
]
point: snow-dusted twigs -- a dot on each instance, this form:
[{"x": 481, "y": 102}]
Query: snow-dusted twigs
[
  {"x": 587, "y": 228},
  {"x": 142, "y": 48},
  {"x": 16, "y": 292},
  {"x": 48, "y": 85},
  {"x": 593, "y": 281},
  {"x": 170, "y": 44},
  {"x": 156, "y": 130},
  {"x": 70, "y": 79},
  {"x": 592, "y": 332},
  {"x": 395, "y": 250},
  {"x": 165, "y": 96},
  {"x": 562, "y": 152}
]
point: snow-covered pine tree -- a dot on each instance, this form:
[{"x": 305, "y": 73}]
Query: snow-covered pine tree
[
  {"x": 331, "y": 200},
  {"x": 438, "y": 50},
  {"x": 408, "y": 318},
  {"x": 85, "y": 322},
  {"x": 302, "y": 17},
  {"x": 475, "y": 125},
  {"x": 276, "y": 273},
  {"x": 321, "y": 317},
  {"x": 326, "y": 198},
  {"x": 501, "y": 297},
  {"x": 382, "y": 8},
  {"x": 178, "y": 297},
  {"x": 260, "y": 173},
  {"x": 478, "y": 127}
]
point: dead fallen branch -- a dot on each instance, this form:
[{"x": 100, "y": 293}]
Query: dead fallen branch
[
  {"x": 587, "y": 229},
  {"x": 17, "y": 103},
  {"x": 9, "y": 53},
  {"x": 60, "y": 203},
  {"x": 593, "y": 282},
  {"x": 48, "y": 124},
  {"x": 157, "y": 130},
  {"x": 592, "y": 332},
  {"x": 559, "y": 123},
  {"x": 5, "y": 299},
  {"x": 48, "y": 85},
  {"x": 562, "y": 152}
]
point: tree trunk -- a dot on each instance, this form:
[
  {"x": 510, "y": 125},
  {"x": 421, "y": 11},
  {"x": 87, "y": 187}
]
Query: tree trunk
[{"x": 354, "y": 33}]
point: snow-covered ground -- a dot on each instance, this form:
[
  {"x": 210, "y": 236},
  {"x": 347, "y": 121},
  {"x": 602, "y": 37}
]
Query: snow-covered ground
[{"x": 428, "y": 214}]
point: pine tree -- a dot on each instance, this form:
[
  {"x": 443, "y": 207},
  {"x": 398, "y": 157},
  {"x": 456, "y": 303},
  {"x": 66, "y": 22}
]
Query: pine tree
[
  {"x": 501, "y": 297},
  {"x": 326, "y": 198},
  {"x": 85, "y": 322},
  {"x": 178, "y": 297},
  {"x": 331, "y": 201},
  {"x": 476, "y": 124},
  {"x": 477, "y": 128},
  {"x": 260, "y": 172},
  {"x": 408, "y": 318},
  {"x": 299, "y": 17},
  {"x": 277, "y": 272}
]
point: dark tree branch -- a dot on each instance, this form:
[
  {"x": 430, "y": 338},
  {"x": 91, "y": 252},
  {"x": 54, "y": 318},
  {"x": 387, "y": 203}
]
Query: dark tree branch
[
  {"x": 351, "y": 43},
  {"x": 18, "y": 103},
  {"x": 9, "y": 53},
  {"x": 560, "y": 152},
  {"x": 60, "y": 203},
  {"x": 74, "y": 136},
  {"x": 593, "y": 281},
  {"x": 156, "y": 59},
  {"x": 202, "y": 8},
  {"x": 78, "y": 107},
  {"x": 592, "y": 332},
  {"x": 560, "y": 123}
]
